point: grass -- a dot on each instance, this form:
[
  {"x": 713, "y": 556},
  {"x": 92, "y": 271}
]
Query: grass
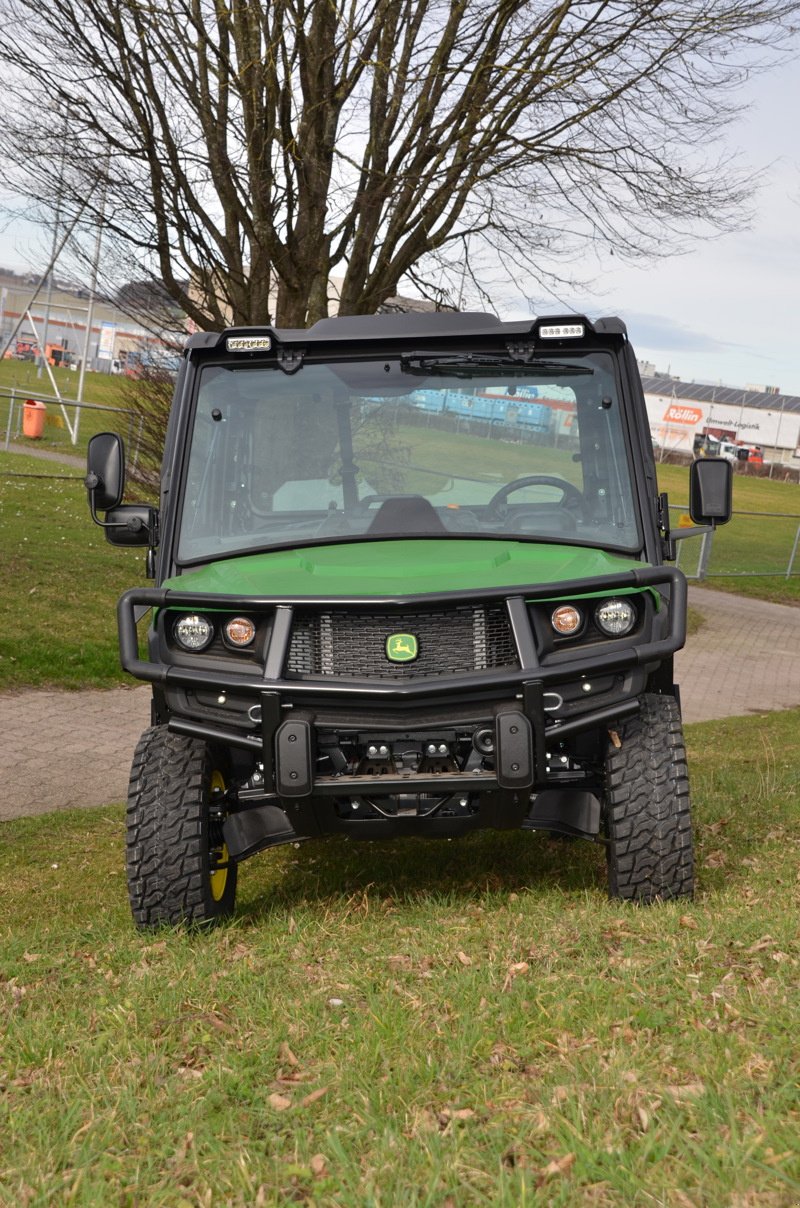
[
  {"x": 478, "y": 456},
  {"x": 748, "y": 543},
  {"x": 22, "y": 376},
  {"x": 61, "y": 581},
  {"x": 423, "y": 1024},
  {"x": 100, "y": 389}
]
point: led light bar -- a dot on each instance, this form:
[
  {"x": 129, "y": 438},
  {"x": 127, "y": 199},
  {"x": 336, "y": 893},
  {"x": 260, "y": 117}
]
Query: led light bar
[
  {"x": 248, "y": 343},
  {"x": 562, "y": 331}
]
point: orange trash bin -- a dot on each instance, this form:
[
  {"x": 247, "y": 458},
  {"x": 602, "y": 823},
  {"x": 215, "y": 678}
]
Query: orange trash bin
[{"x": 33, "y": 414}]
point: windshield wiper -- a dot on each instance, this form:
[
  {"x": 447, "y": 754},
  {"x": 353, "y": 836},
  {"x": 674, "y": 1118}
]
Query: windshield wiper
[{"x": 466, "y": 364}]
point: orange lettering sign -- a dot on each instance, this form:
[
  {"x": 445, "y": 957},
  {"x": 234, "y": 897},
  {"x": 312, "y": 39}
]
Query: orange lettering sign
[{"x": 677, "y": 413}]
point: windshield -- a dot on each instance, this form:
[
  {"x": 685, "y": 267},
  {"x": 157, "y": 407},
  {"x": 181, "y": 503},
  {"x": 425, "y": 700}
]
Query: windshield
[{"x": 407, "y": 447}]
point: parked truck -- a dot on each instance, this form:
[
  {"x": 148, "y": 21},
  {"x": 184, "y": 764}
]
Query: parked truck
[{"x": 716, "y": 444}]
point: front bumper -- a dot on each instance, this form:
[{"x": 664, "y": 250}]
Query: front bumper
[{"x": 266, "y": 698}]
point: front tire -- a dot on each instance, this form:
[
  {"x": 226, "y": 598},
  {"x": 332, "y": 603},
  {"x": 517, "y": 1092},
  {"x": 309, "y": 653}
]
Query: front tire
[
  {"x": 648, "y": 823},
  {"x": 178, "y": 867}
]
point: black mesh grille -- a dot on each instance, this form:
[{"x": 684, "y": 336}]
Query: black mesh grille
[{"x": 352, "y": 645}]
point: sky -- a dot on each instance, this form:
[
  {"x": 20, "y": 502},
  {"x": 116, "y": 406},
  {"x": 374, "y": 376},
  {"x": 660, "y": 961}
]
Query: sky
[{"x": 727, "y": 311}]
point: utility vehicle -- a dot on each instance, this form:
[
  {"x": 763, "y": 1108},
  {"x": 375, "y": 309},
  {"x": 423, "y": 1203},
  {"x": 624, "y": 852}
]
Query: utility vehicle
[{"x": 410, "y": 580}]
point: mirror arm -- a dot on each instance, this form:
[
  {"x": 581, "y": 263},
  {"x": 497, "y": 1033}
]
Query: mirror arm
[
  {"x": 668, "y": 542},
  {"x": 91, "y": 482},
  {"x": 679, "y": 534}
]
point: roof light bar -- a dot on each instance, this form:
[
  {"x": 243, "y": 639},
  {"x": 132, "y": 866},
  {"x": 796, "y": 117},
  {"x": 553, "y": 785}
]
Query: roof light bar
[
  {"x": 562, "y": 331},
  {"x": 248, "y": 343}
]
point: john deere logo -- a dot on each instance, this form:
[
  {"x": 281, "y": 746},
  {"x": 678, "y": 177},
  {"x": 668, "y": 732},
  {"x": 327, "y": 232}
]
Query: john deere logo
[{"x": 401, "y": 647}]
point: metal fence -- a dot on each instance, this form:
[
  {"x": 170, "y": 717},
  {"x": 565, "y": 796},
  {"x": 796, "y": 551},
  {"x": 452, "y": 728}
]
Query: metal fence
[
  {"x": 62, "y": 421},
  {"x": 753, "y": 544}
]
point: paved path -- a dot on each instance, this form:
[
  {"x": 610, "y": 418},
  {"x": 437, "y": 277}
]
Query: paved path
[
  {"x": 66, "y": 459},
  {"x": 65, "y": 749},
  {"x": 745, "y": 659}
]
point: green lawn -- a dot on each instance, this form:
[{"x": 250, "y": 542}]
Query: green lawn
[
  {"x": 100, "y": 389},
  {"x": 61, "y": 581},
  {"x": 414, "y": 1023},
  {"x": 748, "y": 543}
]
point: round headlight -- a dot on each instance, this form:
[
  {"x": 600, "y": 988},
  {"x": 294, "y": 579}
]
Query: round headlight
[
  {"x": 193, "y": 632},
  {"x": 240, "y": 631},
  {"x": 566, "y": 619},
  {"x": 615, "y": 617}
]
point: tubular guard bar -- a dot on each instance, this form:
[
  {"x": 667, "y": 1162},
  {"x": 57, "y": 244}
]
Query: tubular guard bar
[{"x": 602, "y": 659}]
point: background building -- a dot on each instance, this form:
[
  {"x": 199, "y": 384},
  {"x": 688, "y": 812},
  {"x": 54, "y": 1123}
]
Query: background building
[
  {"x": 680, "y": 412},
  {"x": 114, "y": 335}
]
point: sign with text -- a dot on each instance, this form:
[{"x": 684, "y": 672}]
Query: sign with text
[{"x": 105, "y": 346}]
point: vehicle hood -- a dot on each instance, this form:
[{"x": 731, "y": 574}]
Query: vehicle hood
[{"x": 401, "y": 567}]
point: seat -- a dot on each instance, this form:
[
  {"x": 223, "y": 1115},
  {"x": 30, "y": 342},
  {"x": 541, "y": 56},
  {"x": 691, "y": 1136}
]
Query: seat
[{"x": 411, "y": 514}]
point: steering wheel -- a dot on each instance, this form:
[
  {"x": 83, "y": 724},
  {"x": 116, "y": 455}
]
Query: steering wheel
[{"x": 572, "y": 496}]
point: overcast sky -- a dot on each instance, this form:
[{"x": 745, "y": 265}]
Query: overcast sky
[{"x": 727, "y": 311}]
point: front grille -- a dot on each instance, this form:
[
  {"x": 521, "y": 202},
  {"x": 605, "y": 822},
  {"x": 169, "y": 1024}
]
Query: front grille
[{"x": 352, "y": 645}]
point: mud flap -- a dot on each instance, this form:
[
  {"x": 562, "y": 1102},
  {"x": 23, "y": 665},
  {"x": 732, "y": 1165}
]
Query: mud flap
[
  {"x": 565, "y": 811},
  {"x": 254, "y": 829},
  {"x": 294, "y": 758}
]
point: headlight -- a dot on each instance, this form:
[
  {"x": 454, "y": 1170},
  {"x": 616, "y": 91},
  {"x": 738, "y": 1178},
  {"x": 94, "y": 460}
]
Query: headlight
[
  {"x": 193, "y": 632},
  {"x": 240, "y": 631},
  {"x": 566, "y": 619},
  {"x": 615, "y": 617}
]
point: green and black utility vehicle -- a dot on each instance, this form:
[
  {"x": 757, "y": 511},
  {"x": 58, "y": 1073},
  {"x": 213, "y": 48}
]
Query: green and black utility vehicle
[{"x": 410, "y": 581}]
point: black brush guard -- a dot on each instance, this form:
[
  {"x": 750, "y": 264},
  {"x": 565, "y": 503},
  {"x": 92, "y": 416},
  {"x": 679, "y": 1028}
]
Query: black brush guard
[{"x": 286, "y": 748}]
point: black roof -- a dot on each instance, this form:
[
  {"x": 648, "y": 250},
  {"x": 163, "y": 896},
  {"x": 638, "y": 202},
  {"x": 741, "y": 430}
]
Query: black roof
[
  {"x": 414, "y": 325},
  {"x": 699, "y": 393}
]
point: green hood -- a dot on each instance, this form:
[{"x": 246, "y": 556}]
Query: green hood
[{"x": 394, "y": 568}]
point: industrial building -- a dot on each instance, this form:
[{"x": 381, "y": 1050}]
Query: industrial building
[
  {"x": 682, "y": 412},
  {"x": 58, "y": 321}
]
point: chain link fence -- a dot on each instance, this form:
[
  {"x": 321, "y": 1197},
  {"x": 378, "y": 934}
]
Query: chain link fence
[
  {"x": 753, "y": 544},
  {"x": 61, "y": 425}
]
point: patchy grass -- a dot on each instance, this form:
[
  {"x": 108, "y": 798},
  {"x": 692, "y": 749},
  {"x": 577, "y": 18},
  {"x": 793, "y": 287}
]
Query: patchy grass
[
  {"x": 414, "y": 1023},
  {"x": 695, "y": 620},
  {"x": 61, "y": 581},
  {"x": 23, "y": 377}
]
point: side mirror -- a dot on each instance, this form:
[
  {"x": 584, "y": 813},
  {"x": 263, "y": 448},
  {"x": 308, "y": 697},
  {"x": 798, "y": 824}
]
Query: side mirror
[
  {"x": 711, "y": 491},
  {"x": 132, "y": 524},
  {"x": 105, "y": 471}
]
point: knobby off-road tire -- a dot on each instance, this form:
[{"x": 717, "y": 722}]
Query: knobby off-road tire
[
  {"x": 648, "y": 824},
  {"x": 173, "y": 843}
]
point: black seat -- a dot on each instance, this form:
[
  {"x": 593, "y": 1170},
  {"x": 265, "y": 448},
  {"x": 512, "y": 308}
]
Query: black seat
[{"x": 402, "y": 514}]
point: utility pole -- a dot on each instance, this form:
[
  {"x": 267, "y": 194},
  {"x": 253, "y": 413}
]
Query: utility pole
[
  {"x": 90, "y": 308},
  {"x": 53, "y": 257}
]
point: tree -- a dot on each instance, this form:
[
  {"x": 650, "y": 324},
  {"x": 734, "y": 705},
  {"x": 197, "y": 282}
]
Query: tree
[{"x": 244, "y": 151}]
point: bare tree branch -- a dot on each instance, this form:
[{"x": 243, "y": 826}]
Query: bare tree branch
[{"x": 250, "y": 151}]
